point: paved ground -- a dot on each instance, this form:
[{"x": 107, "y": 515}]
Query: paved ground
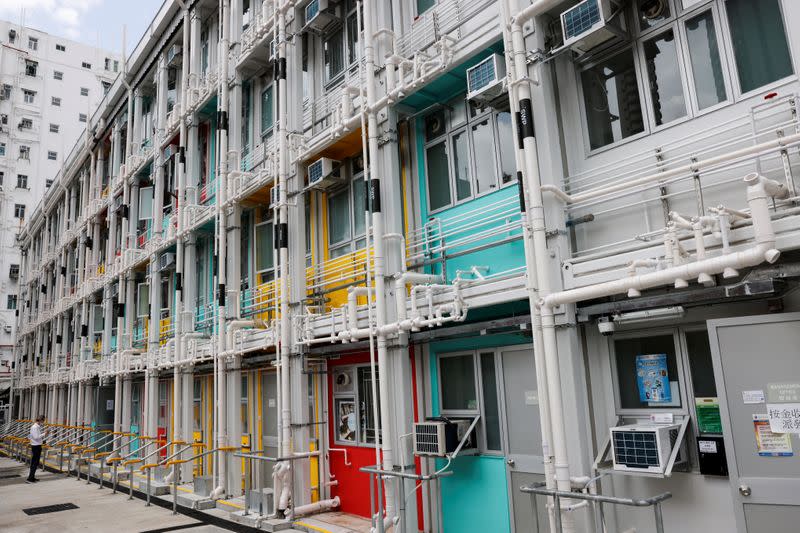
[{"x": 99, "y": 510}]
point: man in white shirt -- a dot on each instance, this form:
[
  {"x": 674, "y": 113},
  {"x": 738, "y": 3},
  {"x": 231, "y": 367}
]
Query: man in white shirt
[{"x": 37, "y": 436}]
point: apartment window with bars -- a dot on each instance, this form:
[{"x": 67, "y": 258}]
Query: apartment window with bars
[
  {"x": 25, "y": 153},
  {"x": 26, "y": 124},
  {"x": 52, "y": 156},
  {"x": 22, "y": 181},
  {"x": 82, "y": 117},
  {"x": 84, "y": 91},
  {"x": 33, "y": 43},
  {"x": 56, "y": 101},
  {"x": 48, "y": 183},
  {"x": 31, "y": 67},
  {"x": 2, "y": 153},
  {"x": 61, "y": 48},
  {"x": 86, "y": 65},
  {"x": 58, "y": 75},
  {"x": 5, "y": 92},
  {"x": 19, "y": 211},
  {"x": 28, "y": 96},
  {"x": 13, "y": 271},
  {"x": 11, "y": 302},
  {"x": 54, "y": 128}
]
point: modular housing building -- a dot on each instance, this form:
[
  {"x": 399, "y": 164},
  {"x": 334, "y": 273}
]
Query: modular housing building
[{"x": 300, "y": 238}]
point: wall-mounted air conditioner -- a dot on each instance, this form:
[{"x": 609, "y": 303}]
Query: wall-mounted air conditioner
[
  {"x": 318, "y": 15},
  {"x": 487, "y": 80},
  {"x": 644, "y": 448},
  {"x": 166, "y": 260},
  {"x": 274, "y": 197},
  {"x": 174, "y": 54},
  {"x": 439, "y": 437},
  {"x": 588, "y": 25},
  {"x": 324, "y": 173}
]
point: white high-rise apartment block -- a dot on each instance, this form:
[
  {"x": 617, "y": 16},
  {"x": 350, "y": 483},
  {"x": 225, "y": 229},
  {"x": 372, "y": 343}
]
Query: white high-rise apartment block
[{"x": 48, "y": 88}]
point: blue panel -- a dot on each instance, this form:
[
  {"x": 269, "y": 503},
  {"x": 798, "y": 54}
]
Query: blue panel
[
  {"x": 581, "y": 18},
  {"x": 482, "y": 75}
]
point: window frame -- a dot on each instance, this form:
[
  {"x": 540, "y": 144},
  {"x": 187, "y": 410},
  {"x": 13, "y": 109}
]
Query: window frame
[
  {"x": 22, "y": 181},
  {"x": 451, "y": 131},
  {"x": 28, "y": 94},
  {"x": 350, "y": 244},
  {"x": 479, "y": 395},
  {"x": 55, "y": 101},
  {"x": 19, "y": 211},
  {"x": 354, "y": 396},
  {"x": 268, "y": 221}
]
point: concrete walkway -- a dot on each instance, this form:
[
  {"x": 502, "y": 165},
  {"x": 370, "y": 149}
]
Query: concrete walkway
[{"x": 99, "y": 510}]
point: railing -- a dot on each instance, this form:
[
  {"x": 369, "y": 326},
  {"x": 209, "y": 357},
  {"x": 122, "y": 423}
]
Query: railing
[
  {"x": 598, "y": 500},
  {"x": 260, "y": 301},
  {"x": 337, "y": 274},
  {"x": 446, "y": 18}
]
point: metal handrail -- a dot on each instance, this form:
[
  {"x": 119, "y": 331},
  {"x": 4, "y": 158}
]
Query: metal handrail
[
  {"x": 541, "y": 489},
  {"x": 257, "y": 455}
]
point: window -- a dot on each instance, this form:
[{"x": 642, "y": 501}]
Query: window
[
  {"x": 354, "y": 405},
  {"x": 33, "y": 43},
  {"x": 11, "y": 303},
  {"x": 468, "y": 386},
  {"x": 86, "y": 65},
  {"x": 333, "y": 50},
  {"x": 56, "y": 101},
  {"x": 25, "y": 153},
  {"x": 28, "y": 96},
  {"x": 5, "y": 92},
  {"x": 2, "y": 174},
  {"x": 19, "y": 211},
  {"x": 611, "y": 100},
  {"x": 26, "y": 124},
  {"x": 106, "y": 87},
  {"x": 31, "y": 67},
  {"x": 2, "y": 149},
  {"x": 61, "y": 48},
  {"x": 759, "y": 42},
  {"x": 13, "y": 271},
  {"x": 346, "y": 213},
  {"x": 678, "y": 66},
  {"x": 265, "y": 263},
  {"x": 454, "y": 136},
  {"x": 116, "y": 66},
  {"x": 647, "y": 372},
  {"x": 58, "y": 75},
  {"x": 12, "y": 36},
  {"x": 53, "y": 128},
  {"x": 424, "y": 5},
  {"x": 22, "y": 181},
  {"x": 352, "y": 30},
  {"x": 82, "y": 117},
  {"x": 84, "y": 91},
  {"x": 267, "y": 110},
  {"x": 107, "y": 64},
  {"x": 204, "y": 51},
  {"x": 52, "y": 156},
  {"x": 48, "y": 183}
]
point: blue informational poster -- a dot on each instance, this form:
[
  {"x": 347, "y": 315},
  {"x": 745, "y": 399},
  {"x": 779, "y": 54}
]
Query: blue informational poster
[{"x": 653, "y": 378}]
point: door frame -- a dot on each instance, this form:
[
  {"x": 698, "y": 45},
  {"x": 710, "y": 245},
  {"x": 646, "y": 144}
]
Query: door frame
[{"x": 722, "y": 393}]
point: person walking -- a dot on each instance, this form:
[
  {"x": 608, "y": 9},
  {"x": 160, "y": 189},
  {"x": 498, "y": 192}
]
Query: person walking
[{"x": 37, "y": 436}]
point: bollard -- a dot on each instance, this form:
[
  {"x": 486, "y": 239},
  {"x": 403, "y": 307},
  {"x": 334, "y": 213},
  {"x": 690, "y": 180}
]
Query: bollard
[
  {"x": 130, "y": 481},
  {"x": 174, "y": 488},
  {"x": 114, "y": 485},
  {"x": 149, "y": 470}
]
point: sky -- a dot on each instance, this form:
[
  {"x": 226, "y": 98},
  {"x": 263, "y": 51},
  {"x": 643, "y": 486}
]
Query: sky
[{"x": 94, "y": 22}]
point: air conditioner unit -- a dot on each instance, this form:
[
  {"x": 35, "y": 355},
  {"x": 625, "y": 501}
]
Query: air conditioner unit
[
  {"x": 274, "y": 197},
  {"x": 318, "y": 15},
  {"x": 323, "y": 173},
  {"x": 588, "y": 25},
  {"x": 174, "y": 54},
  {"x": 166, "y": 260},
  {"x": 439, "y": 437},
  {"x": 486, "y": 81},
  {"x": 644, "y": 447}
]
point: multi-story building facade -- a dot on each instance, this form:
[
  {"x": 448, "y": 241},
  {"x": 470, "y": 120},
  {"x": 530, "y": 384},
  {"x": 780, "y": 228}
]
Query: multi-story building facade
[
  {"x": 299, "y": 228},
  {"x": 48, "y": 88}
]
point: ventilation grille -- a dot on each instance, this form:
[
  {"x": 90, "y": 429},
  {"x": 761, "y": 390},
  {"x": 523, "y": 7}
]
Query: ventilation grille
[
  {"x": 315, "y": 171},
  {"x": 427, "y": 438},
  {"x": 312, "y": 10},
  {"x": 50, "y": 508},
  {"x": 636, "y": 449},
  {"x": 581, "y": 18}
]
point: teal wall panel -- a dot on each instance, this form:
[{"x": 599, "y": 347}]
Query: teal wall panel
[{"x": 475, "y": 498}]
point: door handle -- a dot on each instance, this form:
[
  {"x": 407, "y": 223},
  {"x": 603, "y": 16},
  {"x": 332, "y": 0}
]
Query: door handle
[
  {"x": 510, "y": 462},
  {"x": 744, "y": 490}
]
